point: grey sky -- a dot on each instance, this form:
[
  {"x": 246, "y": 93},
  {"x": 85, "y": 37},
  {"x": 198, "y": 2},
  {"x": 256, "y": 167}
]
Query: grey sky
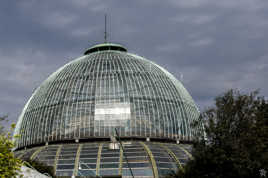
[{"x": 214, "y": 45}]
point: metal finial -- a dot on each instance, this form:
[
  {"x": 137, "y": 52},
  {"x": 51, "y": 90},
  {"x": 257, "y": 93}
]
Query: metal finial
[{"x": 110, "y": 32}]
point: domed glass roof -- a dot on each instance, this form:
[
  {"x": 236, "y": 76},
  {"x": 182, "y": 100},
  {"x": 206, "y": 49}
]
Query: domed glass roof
[
  {"x": 97, "y": 159},
  {"x": 107, "y": 88}
]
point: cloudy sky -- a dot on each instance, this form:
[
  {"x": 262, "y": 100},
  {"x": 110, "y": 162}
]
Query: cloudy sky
[{"x": 211, "y": 45}]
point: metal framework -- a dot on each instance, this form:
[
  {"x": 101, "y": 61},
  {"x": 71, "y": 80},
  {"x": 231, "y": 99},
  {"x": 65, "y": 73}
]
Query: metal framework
[
  {"x": 108, "y": 89},
  {"x": 103, "y": 90},
  {"x": 172, "y": 155},
  {"x": 147, "y": 159},
  {"x": 151, "y": 156},
  {"x": 98, "y": 159},
  {"x": 57, "y": 158},
  {"x": 36, "y": 152},
  {"x": 76, "y": 164}
]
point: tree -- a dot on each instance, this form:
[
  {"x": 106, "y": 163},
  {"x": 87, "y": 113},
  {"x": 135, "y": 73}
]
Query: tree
[
  {"x": 9, "y": 164},
  {"x": 236, "y": 138}
]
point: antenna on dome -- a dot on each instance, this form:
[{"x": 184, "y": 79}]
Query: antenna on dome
[
  {"x": 105, "y": 32},
  {"x": 110, "y": 32}
]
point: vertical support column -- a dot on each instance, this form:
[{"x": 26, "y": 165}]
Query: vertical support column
[
  {"x": 98, "y": 160},
  {"x": 172, "y": 155},
  {"x": 36, "y": 152},
  {"x": 121, "y": 161},
  {"x": 56, "y": 158},
  {"x": 76, "y": 163},
  {"x": 151, "y": 156}
]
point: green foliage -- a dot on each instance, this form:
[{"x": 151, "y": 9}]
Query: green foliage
[
  {"x": 2, "y": 119},
  {"x": 236, "y": 140},
  {"x": 9, "y": 165}
]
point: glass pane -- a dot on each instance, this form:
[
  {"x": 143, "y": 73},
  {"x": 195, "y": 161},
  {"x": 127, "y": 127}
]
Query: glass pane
[
  {"x": 66, "y": 161},
  {"x": 136, "y": 159},
  {"x": 65, "y": 166},
  {"x": 166, "y": 165},
  {"x": 86, "y": 172},
  {"x": 87, "y": 166},
  {"x": 89, "y": 156},
  {"x": 64, "y": 173},
  {"x": 114, "y": 165},
  {"x": 109, "y": 155},
  {"x": 135, "y": 165},
  {"x": 88, "y": 160},
  {"x": 66, "y": 156},
  {"x": 161, "y": 159},
  {"x": 107, "y": 172},
  {"x": 109, "y": 160},
  {"x": 137, "y": 172},
  {"x": 166, "y": 172},
  {"x": 135, "y": 154}
]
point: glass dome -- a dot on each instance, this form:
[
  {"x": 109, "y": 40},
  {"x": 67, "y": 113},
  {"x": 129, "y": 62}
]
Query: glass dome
[{"x": 107, "y": 88}]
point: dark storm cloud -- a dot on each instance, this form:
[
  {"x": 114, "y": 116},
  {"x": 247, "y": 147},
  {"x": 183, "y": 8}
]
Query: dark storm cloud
[{"x": 210, "y": 45}]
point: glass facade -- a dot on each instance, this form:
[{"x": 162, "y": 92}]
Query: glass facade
[
  {"x": 146, "y": 159},
  {"x": 106, "y": 89}
]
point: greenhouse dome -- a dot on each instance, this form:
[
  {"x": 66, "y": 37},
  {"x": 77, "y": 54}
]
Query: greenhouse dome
[{"x": 81, "y": 105}]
